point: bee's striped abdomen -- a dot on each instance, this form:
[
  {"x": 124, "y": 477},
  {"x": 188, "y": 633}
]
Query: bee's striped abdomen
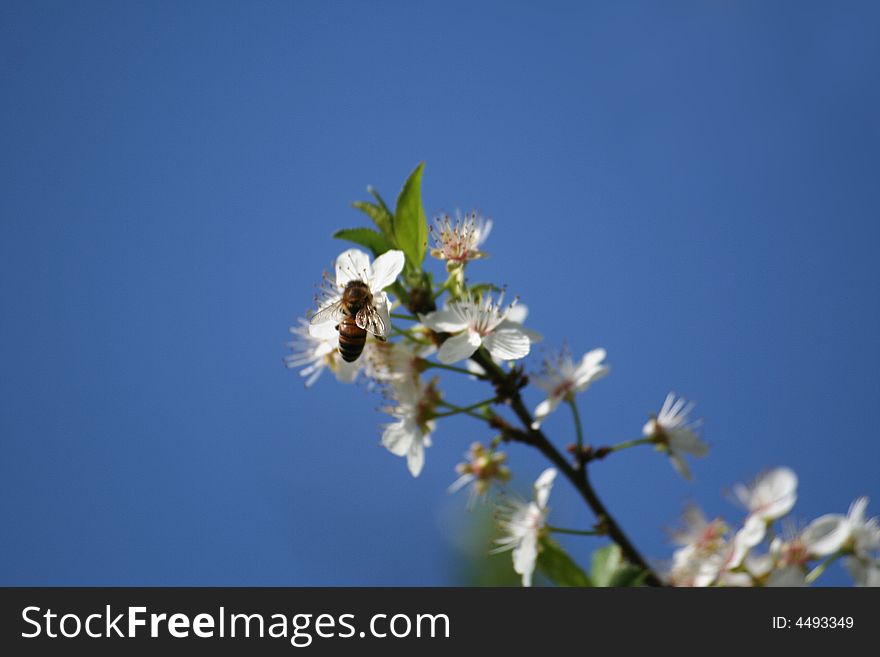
[{"x": 351, "y": 339}]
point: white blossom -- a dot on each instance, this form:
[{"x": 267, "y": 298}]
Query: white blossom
[
  {"x": 769, "y": 497},
  {"x": 395, "y": 361},
  {"x": 354, "y": 264},
  {"x": 696, "y": 530},
  {"x": 826, "y": 535},
  {"x": 864, "y": 533},
  {"x": 706, "y": 555},
  {"x": 481, "y": 467},
  {"x": 410, "y": 434},
  {"x": 561, "y": 378},
  {"x": 475, "y": 323},
  {"x": 315, "y": 349},
  {"x": 793, "y": 550},
  {"x": 460, "y": 241},
  {"x": 672, "y": 429},
  {"x": 523, "y": 524},
  {"x": 691, "y": 568}
]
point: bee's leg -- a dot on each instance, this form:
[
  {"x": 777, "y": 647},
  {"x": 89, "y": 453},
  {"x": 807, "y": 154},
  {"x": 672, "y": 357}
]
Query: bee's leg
[{"x": 336, "y": 327}]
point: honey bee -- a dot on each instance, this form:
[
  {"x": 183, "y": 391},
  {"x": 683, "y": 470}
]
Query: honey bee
[{"x": 355, "y": 314}]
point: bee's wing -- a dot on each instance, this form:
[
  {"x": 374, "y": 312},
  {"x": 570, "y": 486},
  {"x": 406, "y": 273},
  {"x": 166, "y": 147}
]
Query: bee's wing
[
  {"x": 367, "y": 318},
  {"x": 332, "y": 313}
]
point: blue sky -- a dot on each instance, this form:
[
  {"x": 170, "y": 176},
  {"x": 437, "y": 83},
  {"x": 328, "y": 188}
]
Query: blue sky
[{"x": 692, "y": 186}]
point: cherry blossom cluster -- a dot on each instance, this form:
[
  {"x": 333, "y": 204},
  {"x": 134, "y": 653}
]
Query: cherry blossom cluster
[
  {"x": 411, "y": 324},
  {"x": 769, "y": 549}
]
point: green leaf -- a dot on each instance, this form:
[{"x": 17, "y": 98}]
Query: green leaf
[
  {"x": 610, "y": 569},
  {"x": 629, "y": 575},
  {"x": 606, "y": 562},
  {"x": 560, "y": 568},
  {"x": 410, "y": 223},
  {"x": 379, "y": 199},
  {"x": 365, "y": 237},
  {"x": 380, "y": 216}
]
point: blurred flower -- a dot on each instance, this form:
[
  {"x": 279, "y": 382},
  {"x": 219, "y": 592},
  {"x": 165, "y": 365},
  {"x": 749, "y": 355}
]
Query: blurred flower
[
  {"x": 758, "y": 565},
  {"x": 864, "y": 571},
  {"x": 523, "y": 524},
  {"x": 354, "y": 264},
  {"x": 699, "y": 532},
  {"x": 675, "y": 433},
  {"x": 705, "y": 553},
  {"x": 711, "y": 559},
  {"x": 821, "y": 538},
  {"x": 788, "y": 577},
  {"x": 395, "y": 361},
  {"x": 477, "y": 323},
  {"x": 561, "y": 379},
  {"x": 691, "y": 568},
  {"x": 411, "y": 433},
  {"x": 769, "y": 497},
  {"x": 864, "y": 534},
  {"x": 826, "y": 535},
  {"x": 460, "y": 241},
  {"x": 314, "y": 349},
  {"x": 481, "y": 468}
]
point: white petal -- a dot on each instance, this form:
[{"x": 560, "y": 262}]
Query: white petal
[
  {"x": 346, "y": 372},
  {"x": 524, "y": 556},
  {"x": 386, "y": 269},
  {"x": 857, "y": 510},
  {"x": 461, "y": 482},
  {"x": 777, "y": 491},
  {"x": 444, "y": 321},
  {"x": 544, "y": 409},
  {"x": 740, "y": 491},
  {"x": 543, "y": 486},
  {"x": 680, "y": 466},
  {"x": 508, "y": 344},
  {"x": 752, "y": 532},
  {"x": 458, "y": 347},
  {"x": 685, "y": 440},
  {"x": 381, "y": 305},
  {"x": 312, "y": 374},
  {"x": 533, "y": 335},
  {"x": 759, "y": 565},
  {"x": 590, "y": 360},
  {"x": 415, "y": 458},
  {"x": 737, "y": 551},
  {"x": 707, "y": 572},
  {"x": 826, "y": 534},
  {"x": 475, "y": 369},
  {"x": 484, "y": 231},
  {"x": 398, "y": 437},
  {"x": 585, "y": 379},
  {"x": 590, "y": 369},
  {"x": 352, "y": 264},
  {"x": 518, "y": 313}
]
